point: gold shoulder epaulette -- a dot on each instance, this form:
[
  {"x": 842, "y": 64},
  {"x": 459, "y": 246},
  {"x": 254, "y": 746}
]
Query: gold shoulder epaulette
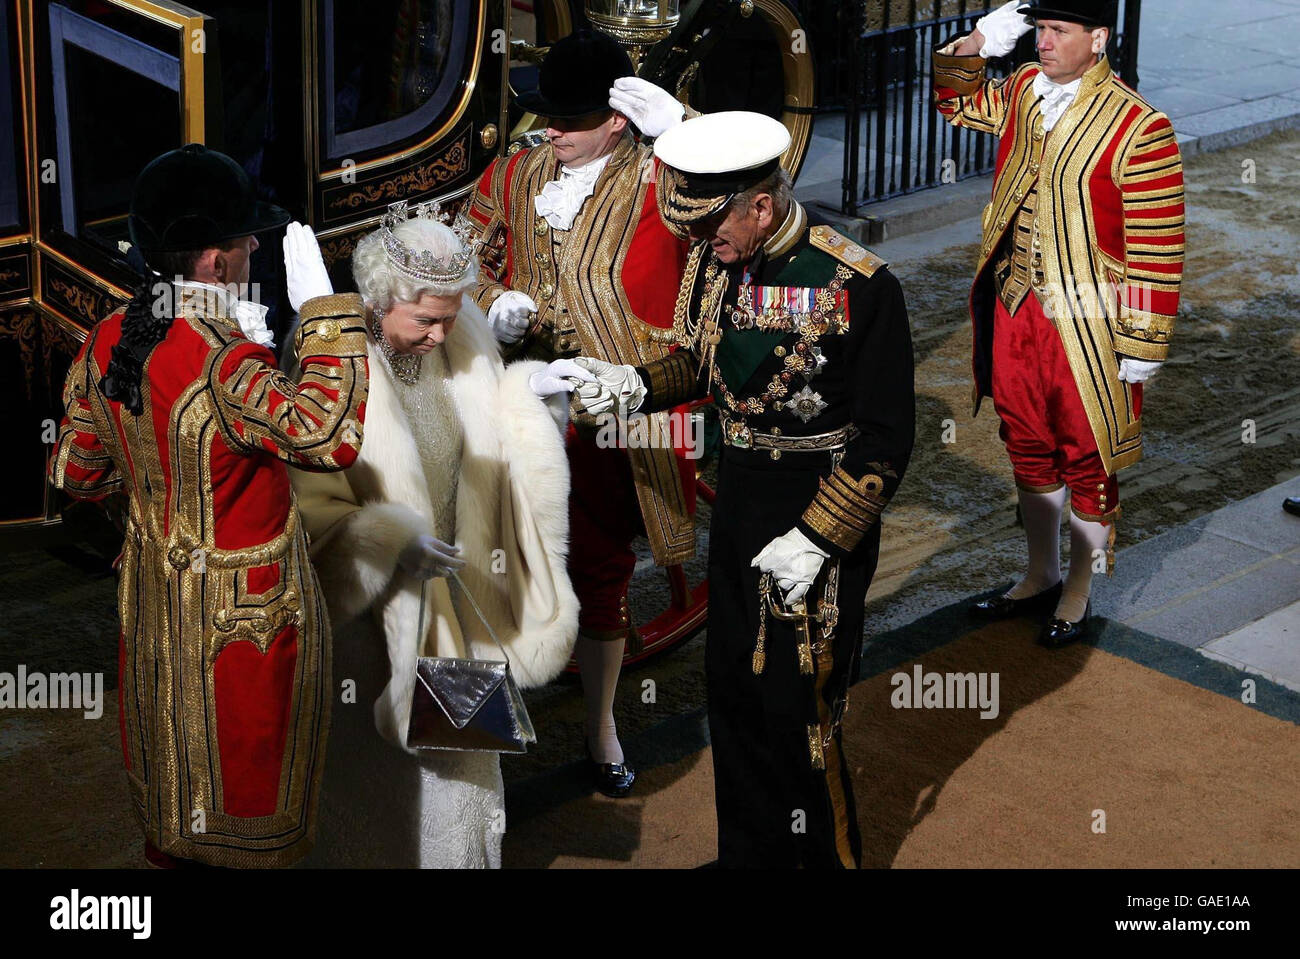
[{"x": 845, "y": 250}]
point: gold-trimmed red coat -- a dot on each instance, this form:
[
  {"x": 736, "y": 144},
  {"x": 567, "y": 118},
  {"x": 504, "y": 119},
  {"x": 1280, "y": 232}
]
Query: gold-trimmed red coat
[
  {"x": 1109, "y": 207},
  {"x": 608, "y": 291},
  {"x": 224, "y": 679}
]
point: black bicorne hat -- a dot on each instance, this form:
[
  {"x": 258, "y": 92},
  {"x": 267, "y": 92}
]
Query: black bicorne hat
[
  {"x": 192, "y": 198},
  {"x": 576, "y": 75},
  {"x": 1090, "y": 13}
]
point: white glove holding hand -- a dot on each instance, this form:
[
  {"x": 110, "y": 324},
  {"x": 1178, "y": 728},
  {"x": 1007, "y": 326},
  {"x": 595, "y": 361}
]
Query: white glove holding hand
[
  {"x": 560, "y": 376},
  {"x": 305, "y": 275},
  {"x": 426, "y": 556},
  {"x": 622, "y": 381},
  {"x": 653, "y": 109},
  {"x": 593, "y": 399},
  {"x": 510, "y": 315},
  {"x": 1137, "y": 371},
  {"x": 1002, "y": 28},
  {"x": 794, "y": 563}
]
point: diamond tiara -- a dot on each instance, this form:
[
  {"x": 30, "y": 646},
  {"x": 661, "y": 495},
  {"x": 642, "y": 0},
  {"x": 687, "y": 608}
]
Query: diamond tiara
[{"x": 421, "y": 264}]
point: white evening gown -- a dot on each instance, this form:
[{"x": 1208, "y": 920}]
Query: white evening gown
[{"x": 380, "y": 806}]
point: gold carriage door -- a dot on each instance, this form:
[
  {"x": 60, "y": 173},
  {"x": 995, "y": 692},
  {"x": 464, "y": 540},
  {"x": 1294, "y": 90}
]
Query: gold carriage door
[{"x": 107, "y": 85}]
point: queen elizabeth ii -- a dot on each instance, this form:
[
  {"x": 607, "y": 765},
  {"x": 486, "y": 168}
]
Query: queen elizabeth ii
[{"x": 463, "y": 469}]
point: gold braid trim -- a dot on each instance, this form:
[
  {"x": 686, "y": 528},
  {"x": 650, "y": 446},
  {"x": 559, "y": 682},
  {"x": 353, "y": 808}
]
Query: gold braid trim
[
  {"x": 844, "y": 508},
  {"x": 332, "y": 326},
  {"x": 679, "y": 210},
  {"x": 962, "y": 75},
  {"x": 672, "y": 380}
]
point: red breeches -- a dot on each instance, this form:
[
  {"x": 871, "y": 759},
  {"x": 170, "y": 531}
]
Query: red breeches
[
  {"x": 1044, "y": 423},
  {"x": 604, "y": 518}
]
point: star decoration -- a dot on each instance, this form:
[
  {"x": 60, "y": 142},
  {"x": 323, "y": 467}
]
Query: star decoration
[
  {"x": 819, "y": 358},
  {"x": 806, "y": 404}
]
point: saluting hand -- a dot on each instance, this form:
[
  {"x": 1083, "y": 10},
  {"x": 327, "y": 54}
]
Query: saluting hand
[
  {"x": 1002, "y": 28},
  {"x": 305, "y": 275},
  {"x": 653, "y": 109}
]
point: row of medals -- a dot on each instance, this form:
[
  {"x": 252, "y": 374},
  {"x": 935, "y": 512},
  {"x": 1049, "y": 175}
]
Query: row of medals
[{"x": 807, "y": 358}]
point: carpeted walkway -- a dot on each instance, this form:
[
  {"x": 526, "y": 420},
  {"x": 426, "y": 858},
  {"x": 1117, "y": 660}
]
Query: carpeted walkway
[{"x": 1144, "y": 731}]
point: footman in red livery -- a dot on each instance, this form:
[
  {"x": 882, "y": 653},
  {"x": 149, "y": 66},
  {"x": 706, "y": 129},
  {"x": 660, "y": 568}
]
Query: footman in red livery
[{"x": 177, "y": 401}]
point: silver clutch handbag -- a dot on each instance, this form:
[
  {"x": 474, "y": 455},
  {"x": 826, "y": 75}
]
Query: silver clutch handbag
[{"x": 472, "y": 705}]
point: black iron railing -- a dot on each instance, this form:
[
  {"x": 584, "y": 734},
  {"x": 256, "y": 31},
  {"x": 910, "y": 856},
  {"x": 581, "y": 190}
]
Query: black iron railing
[{"x": 895, "y": 142}]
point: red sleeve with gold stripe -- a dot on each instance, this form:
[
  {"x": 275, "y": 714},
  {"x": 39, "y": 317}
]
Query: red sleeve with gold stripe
[
  {"x": 965, "y": 97},
  {"x": 1151, "y": 185},
  {"x": 314, "y": 423},
  {"x": 81, "y": 465},
  {"x": 487, "y": 211}
]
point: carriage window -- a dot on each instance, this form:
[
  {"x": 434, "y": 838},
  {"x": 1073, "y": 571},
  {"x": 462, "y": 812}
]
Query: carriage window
[
  {"x": 391, "y": 68},
  {"x": 96, "y": 70},
  {"x": 9, "y": 138}
]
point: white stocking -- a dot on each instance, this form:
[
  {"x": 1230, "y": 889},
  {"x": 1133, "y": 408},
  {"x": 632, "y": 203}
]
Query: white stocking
[
  {"x": 1041, "y": 514},
  {"x": 1086, "y": 539},
  {"x": 599, "y": 662}
]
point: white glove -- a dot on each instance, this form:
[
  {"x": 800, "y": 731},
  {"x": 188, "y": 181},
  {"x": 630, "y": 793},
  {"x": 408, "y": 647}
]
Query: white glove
[
  {"x": 560, "y": 376},
  {"x": 622, "y": 381},
  {"x": 510, "y": 316},
  {"x": 653, "y": 109},
  {"x": 305, "y": 275},
  {"x": 426, "y": 556},
  {"x": 1136, "y": 371},
  {"x": 794, "y": 563},
  {"x": 593, "y": 398},
  {"x": 1002, "y": 28}
]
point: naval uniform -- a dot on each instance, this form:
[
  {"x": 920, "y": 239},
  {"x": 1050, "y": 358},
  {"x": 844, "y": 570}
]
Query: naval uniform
[{"x": 807, "y": 352}]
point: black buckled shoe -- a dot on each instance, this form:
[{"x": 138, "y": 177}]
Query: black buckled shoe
[
  {"x": 1292, "y": 505},
  {"x": 1061, "y": 632},
  {"x": 1003, "y": 606},
  {"x": 613, "y": 779}
]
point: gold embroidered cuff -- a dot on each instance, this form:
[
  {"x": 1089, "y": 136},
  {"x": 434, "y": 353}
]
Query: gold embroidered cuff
[
  {"x": 844, "y": 508},
  {"x": 1140, "y": 349},
  {"x": 331, "y": 326},
  {"x": 964, "y": 75},
  {"x": 1144, "y": 337},
  {"x": 486, "y": 295},
  {"x": 670, "y": 380}
]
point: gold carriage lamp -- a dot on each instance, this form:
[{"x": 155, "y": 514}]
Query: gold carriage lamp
[{"x": 637, "y": 24}]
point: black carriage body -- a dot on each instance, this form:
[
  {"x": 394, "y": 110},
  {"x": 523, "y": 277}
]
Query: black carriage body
[{"x": 336, "y": 108}]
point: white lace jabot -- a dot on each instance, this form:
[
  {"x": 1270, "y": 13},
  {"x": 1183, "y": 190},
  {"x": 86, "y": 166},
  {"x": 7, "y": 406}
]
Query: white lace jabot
[
  {"x": 561, "y": 199},
  {"x": 1055, "y": 96}
]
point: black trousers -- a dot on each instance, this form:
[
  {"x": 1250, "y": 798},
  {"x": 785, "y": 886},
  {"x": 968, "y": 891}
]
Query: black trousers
[{"x": 775, "y": 810}]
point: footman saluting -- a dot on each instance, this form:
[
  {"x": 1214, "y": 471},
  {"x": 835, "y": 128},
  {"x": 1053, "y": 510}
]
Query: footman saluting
[{"x": 1074, "y": 299}]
